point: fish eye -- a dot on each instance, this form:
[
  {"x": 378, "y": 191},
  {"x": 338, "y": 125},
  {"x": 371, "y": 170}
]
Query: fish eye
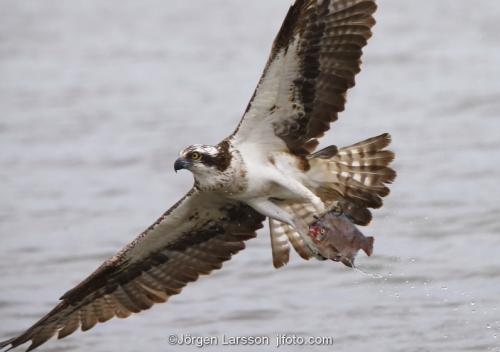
[
  {"x": 322, "y": 231},
  {"x": 195, "y": 156}
]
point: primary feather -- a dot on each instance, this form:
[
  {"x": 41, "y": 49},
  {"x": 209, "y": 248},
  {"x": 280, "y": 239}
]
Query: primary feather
[{"x": 264, "y": 169}]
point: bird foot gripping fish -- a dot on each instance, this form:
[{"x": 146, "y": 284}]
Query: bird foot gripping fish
[{"x": 337, "y": 238}]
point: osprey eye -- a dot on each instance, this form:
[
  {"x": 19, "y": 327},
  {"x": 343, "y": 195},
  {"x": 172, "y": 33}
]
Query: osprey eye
[{"x": 195, "y": 156}]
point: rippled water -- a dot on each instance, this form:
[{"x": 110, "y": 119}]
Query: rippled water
[{"x": 97, "y": 97}]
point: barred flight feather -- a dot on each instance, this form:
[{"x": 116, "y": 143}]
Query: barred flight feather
[
  {"x": 313, "y": 62},
  {"x": 119, "y": 288}
]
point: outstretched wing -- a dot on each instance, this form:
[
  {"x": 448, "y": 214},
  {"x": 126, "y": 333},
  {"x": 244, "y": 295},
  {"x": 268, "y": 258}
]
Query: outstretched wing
[
  {"x": 313, "y": 62},
  {"x": 193, "y": 238}
]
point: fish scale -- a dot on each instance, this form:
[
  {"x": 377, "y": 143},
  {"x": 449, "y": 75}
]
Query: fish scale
[{"x": 338, "y": 239}]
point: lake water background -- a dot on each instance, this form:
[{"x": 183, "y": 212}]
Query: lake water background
[{"x": 98, "y": 97}]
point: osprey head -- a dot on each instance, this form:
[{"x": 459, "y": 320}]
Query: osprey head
[{"x": 204, "y": 160}]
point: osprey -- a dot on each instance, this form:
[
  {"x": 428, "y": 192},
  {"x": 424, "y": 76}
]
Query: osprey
[{"x": 266, "y": 169}]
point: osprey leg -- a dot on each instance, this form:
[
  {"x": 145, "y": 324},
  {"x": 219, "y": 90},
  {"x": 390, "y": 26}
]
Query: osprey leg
[
  {"x": 300, "y": 192},
  {"x": 270, "y": 209}
]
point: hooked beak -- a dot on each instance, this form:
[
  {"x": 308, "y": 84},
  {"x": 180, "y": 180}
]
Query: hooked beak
[{"x": 181, "y": 163}]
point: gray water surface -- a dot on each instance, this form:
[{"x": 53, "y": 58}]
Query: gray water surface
[{"x": 97, "y": 98}]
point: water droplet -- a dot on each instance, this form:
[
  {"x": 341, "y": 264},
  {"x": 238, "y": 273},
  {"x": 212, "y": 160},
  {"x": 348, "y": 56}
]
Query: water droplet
[
  {"x": 444, "y": 288},
  {"x": 488, "y": 326},
  {"x": 396, "y": 295},
  {"x": 472, "y": 303}
]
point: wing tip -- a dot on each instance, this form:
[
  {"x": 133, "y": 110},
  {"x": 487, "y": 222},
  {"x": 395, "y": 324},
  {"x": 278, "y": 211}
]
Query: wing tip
[
  {"x": 14, "y": 343},
  {"x": 5, "y": 343}
]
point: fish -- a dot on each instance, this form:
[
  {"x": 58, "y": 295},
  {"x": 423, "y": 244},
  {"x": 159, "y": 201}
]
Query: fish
[{"x": 338, "y": 239}]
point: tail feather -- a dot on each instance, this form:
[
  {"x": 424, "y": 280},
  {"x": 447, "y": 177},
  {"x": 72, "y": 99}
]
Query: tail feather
[
  {"x": 325, "y": 153},
  {"x": 356, "y": 213},
  {"x": 372, "y": 144},
  {"x": 279, "y": 244},
  {"x": 301, "y": 212},
  {"x": 382, "y": 157},
  {"x": 356, "y": 174}
]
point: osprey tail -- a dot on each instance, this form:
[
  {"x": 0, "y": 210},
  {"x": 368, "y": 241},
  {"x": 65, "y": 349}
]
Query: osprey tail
[{"x": 355, "y": 175}]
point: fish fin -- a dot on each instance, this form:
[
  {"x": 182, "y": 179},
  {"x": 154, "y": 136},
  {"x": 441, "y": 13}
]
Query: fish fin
[
  {"x": 348, "y": 262},
  {"x": 368, "y": 245}
]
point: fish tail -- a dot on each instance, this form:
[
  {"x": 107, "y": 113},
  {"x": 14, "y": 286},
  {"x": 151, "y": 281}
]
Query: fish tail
[{"x": 368, "y": 245}]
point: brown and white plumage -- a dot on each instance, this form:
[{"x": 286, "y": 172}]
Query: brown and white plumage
[
  {"x": 313, "y": 62},
  {"x": 355, "y": 177},
  {"x": 264, "y": 169},
  {"x": 191, "y": 239}
]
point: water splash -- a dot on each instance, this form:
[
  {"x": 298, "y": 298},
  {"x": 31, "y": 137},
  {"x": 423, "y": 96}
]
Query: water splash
[{"x": 366, "y": 273}]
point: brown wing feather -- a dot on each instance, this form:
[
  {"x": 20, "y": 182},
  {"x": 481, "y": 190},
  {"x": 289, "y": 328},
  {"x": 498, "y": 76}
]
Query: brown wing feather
[
  {"x": 279, "y": 244},
  {"x": 313, "y": 62},
  {"x": 135, "y": 279}
]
